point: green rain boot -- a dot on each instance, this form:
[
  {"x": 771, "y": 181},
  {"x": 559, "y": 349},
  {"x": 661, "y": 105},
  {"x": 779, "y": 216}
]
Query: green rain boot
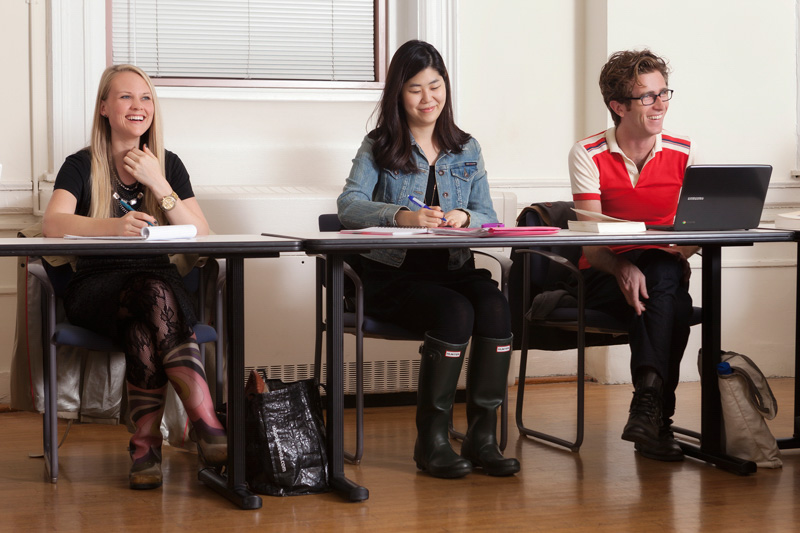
[
  {"x": 486, "y": 385},
  {"x": 439, "y": 370}
]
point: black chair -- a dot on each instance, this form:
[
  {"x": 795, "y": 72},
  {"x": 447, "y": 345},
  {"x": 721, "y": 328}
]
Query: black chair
[
  {"x": 563, "y": 322},
  {"x": 361, "y": 325},
  {"x": 53, "y": 281}
]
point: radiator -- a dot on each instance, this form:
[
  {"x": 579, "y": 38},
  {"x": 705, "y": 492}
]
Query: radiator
[{"x": 279, "y": 293}]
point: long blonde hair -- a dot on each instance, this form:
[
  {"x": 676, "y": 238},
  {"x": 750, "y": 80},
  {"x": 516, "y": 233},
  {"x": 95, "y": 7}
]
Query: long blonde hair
[{"x": 101, "y": 182}]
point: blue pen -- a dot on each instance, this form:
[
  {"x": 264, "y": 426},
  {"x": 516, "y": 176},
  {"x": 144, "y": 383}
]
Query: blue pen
[
  {"x": 422, "y": 205},
  {"x": 124, "y": 204}
]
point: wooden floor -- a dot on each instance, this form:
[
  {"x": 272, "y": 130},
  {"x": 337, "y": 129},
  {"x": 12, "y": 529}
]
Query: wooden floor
[{"x": 605, "y": 487}]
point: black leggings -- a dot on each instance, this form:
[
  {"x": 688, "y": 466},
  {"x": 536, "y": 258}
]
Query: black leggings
[
  {"x": 152, "y": 325},
  {"x": 450, "y": 306},
  {"x": 138, "y": 301}
]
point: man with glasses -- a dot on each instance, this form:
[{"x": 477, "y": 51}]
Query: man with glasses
[{"x": 634, "y": 171}]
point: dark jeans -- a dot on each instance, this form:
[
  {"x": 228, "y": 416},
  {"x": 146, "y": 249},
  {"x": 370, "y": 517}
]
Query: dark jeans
[{"x": 658, "y": 337}]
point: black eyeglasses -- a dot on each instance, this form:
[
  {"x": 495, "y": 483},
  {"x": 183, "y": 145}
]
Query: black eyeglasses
[{"x": 650, "y": 99}]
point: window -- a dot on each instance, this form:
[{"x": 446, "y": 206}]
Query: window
[{"x": 251, "y": 43}]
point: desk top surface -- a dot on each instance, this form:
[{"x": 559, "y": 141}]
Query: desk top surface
[
  {"x": 325, "y": 242},
  {"x": 322, "y": 242},
  {"x": 222, "y": 245}
]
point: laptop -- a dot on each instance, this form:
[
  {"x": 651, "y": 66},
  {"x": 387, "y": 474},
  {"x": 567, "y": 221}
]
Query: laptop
[{"x": 721, "y": 197}]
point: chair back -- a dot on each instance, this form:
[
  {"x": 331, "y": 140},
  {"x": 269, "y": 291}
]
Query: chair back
[
  {"x": 329, "y": 222},
  {"x": 59, "y": 277},
  {"x": 545, "y": 276},
  {"x": 542, "y": 276}
]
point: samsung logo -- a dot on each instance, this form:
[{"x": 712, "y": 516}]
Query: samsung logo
[{"x": 695, "y": 198}]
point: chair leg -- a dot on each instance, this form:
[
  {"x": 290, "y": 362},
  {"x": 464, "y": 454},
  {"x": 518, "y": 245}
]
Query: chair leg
[
  {"x": 355, "y": 458},
  {"x": 50, "y": 417},
  {"x": 523, "y": 363},
  {"x": 220, "y": 346}
]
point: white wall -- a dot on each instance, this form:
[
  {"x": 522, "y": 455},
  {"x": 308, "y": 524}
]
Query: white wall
[{"x": 527, "y": 90}]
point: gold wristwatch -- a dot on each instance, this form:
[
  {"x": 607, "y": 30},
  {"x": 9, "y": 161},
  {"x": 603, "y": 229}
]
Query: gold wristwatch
[{"x": 168, "y": 202}]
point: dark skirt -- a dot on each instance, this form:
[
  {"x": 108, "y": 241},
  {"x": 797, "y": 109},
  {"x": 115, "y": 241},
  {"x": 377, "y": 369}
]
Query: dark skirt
[{"x": 92, "y": 297}]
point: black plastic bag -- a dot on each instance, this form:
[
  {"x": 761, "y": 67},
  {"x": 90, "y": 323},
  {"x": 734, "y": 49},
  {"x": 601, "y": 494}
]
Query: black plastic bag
[{"x": 285, "y": 452}]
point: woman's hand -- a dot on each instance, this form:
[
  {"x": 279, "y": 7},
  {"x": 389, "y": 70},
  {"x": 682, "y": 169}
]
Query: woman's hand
[
  {"x": 425, "y": 218},
  {"x": 143, "y": 165},
  {"x": 132, "y": 223},
  {"x": 457, "y": 218}
]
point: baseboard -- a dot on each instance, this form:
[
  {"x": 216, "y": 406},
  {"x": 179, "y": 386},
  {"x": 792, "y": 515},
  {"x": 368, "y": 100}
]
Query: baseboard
[
  {"x": 393, "y": 399},
  {"x": 5, "y": 388}
]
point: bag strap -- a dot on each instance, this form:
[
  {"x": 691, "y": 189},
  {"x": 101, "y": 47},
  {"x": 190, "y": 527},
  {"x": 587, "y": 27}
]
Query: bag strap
[{"x": 759, "y": 392}]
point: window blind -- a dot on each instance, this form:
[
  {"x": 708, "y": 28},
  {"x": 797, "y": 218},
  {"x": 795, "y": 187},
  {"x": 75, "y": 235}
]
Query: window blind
[{"x": 314, "y": 40}]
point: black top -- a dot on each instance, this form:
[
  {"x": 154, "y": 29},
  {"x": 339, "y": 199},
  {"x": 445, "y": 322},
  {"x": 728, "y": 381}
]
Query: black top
[
  {"x": 75, "y": 173},
  {"x": 428, "y": 260}
]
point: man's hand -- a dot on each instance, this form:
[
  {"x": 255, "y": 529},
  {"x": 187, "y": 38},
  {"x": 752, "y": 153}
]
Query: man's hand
[{"x": 632, "y": 283}]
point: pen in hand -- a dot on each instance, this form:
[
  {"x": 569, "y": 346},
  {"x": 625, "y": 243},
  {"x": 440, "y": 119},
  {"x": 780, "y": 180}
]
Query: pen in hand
[
  {"x": 422, "y": 205},
  {"x": 125, "y": 205}
]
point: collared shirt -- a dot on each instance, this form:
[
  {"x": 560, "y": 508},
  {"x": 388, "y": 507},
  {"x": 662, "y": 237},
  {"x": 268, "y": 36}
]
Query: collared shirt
[
  {"x": 372, "y": 196},
  {"x": 599, "y": 170}
]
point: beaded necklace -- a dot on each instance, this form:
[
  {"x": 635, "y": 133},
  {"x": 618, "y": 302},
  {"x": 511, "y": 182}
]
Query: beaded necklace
[{"x": 130, "y": 194}]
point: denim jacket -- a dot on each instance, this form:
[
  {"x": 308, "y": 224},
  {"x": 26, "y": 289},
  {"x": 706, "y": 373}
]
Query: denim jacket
[{"x": 372, "y": 196}]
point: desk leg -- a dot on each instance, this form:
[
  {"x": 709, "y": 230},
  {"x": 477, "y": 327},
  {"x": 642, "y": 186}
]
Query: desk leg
[
  {"x": 232, "y": 485},
  {"x": 794, "y": 440},
  {"x": 710, "y": 449},
  {"x": 334, "y": 359}
]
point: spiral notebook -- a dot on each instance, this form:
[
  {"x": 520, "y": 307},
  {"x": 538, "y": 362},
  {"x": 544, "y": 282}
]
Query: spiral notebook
[{"x": 149, "y": 233}]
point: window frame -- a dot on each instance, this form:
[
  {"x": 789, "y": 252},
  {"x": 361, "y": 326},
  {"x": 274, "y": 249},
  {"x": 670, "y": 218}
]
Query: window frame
[
  {"x": 76, "y": 58},
  {"x": 380, "y": 65}
]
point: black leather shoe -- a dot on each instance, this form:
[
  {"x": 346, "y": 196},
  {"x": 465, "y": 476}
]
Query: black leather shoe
[
  {"x": 667, "y": 448},
  {"x": 645, "y": 424}
]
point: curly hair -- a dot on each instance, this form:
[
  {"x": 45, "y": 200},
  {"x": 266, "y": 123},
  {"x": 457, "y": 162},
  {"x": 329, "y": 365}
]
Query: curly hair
[{"x": 622, "y": 71}]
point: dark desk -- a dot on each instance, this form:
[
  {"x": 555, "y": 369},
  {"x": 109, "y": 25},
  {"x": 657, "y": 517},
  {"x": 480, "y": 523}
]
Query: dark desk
[
  {"x": 336, "y": 246},
  {"x": 234, "y": 249}
]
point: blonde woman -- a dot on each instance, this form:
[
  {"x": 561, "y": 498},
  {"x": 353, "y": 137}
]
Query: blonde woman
[{"x": 122, "y": 182}]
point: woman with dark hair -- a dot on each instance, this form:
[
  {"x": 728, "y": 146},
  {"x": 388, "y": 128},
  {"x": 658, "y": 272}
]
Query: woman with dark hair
[
  {"x": 417, "y": 151},
  {"x": 123, "y": 181}
]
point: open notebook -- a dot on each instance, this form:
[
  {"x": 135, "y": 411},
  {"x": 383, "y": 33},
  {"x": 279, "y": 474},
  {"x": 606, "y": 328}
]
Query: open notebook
[{"x": 467, "y": 232}]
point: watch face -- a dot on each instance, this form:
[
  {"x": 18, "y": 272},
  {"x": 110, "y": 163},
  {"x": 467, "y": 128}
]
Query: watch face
[{"x": 168, "y": 202}]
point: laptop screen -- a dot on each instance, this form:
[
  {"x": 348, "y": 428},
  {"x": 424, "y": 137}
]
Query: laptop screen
[{"x": 722, "y": 197}]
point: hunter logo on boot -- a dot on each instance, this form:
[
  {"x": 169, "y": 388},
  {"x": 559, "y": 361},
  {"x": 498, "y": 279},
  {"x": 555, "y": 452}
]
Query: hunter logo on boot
[
  {"x": 503, "y": 349},
  {"x": 451, "y": 353}
]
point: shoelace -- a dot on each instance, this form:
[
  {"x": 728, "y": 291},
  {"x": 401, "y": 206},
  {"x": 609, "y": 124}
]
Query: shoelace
[{"x": 645, "y": 403}]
